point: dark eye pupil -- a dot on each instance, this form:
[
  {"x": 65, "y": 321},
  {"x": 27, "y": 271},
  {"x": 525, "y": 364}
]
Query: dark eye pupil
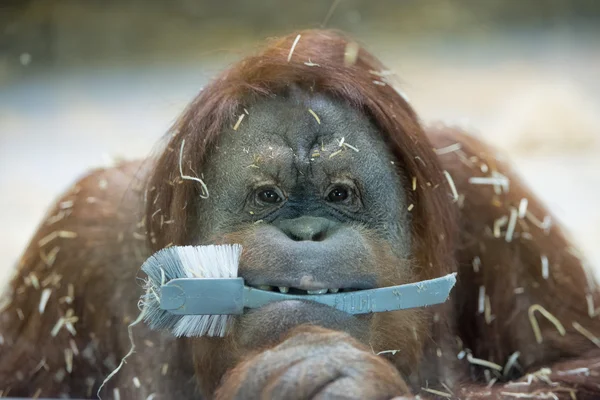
[
  {"x": 338, "y": 194},
  {"x": 269, "y": 196}
]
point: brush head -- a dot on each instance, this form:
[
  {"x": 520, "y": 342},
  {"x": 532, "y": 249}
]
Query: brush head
[{"x": 213, "y": 261}]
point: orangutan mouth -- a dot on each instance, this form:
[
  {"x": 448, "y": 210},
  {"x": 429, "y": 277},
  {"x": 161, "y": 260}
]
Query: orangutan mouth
[{"x": 295, "y": 290}]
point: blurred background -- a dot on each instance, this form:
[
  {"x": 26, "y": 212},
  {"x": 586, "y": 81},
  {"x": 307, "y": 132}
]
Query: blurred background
[{"x": 85, "y": 82}]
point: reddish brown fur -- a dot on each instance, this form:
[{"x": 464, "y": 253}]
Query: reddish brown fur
[
  {"x": 506, "y": 266},
  {"x": 102, "y": 261}
]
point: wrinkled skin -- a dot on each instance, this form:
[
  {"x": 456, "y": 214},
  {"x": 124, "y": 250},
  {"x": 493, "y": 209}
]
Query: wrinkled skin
[{"x": 314, "y": 363}]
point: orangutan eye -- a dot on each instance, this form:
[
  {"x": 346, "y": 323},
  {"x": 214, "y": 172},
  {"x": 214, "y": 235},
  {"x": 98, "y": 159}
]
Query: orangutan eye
[
  {"x": 338, "y": 194},
  {"x": 269, "y": 196}
]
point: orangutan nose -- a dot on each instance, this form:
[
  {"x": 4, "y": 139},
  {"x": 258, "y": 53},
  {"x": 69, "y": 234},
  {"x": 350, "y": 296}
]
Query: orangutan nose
[{"x": 314, "y": 229}]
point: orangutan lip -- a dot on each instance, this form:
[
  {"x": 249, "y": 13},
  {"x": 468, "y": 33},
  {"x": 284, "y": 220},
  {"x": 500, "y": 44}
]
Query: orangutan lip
[{"x": 294, "y": 290}]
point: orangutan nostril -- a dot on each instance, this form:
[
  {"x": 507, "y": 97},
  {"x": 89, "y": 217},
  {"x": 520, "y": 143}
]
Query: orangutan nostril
[{"x": 314, "y": 229}]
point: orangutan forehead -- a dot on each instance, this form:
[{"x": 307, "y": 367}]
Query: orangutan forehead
[
  {"x": 302, "y": 124},
  {"x": 290, "y": 138}
]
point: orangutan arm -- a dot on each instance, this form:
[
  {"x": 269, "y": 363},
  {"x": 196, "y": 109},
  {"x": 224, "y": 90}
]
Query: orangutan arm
[{"x": 522, "y": 287}]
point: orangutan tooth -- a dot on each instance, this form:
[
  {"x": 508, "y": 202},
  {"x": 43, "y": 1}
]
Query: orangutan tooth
[
  {"x": 333, "y": 290},
  {"x": 320, "y": 291},
  {"x": 264, "y": 287},
  {"x": 284, "y": 289}
]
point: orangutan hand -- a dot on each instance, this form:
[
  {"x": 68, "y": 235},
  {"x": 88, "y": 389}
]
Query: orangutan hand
[{"x": 314, "y": 363}]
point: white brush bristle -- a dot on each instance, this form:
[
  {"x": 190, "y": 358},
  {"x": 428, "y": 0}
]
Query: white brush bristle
[
  {"x": 212, "y": 261},
  {"x": 202, "y": 325}
]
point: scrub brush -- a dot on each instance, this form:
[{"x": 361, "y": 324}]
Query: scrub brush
[{"x": 194, "y": 291}]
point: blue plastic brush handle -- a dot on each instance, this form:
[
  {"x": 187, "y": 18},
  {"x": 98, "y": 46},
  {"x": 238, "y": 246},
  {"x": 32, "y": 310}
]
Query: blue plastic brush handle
[
  {"x": 203, "y": 296},
  {"x": 391, "y": 298},
  {"x": 226, "y": 296}
]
